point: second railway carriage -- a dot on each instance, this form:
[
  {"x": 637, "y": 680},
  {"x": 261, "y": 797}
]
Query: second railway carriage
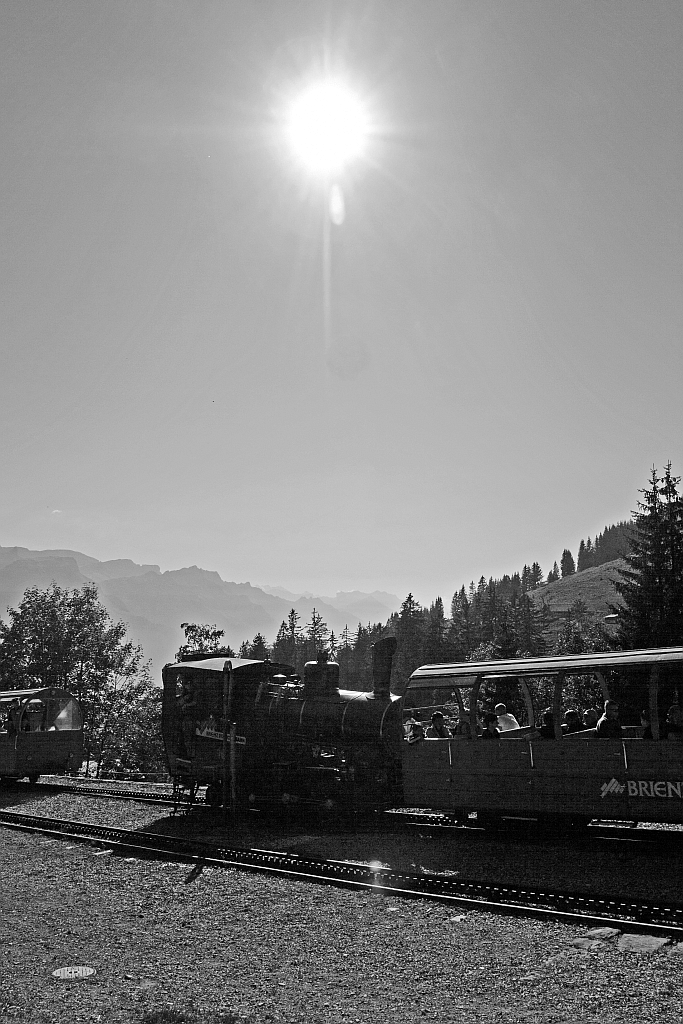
[
  {"x": 41, "y": 732},
  {"x": 574, "y": 776}
]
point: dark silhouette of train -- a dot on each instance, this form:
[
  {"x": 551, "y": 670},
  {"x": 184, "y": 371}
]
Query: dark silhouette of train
[{"x": 259, "y": 736}]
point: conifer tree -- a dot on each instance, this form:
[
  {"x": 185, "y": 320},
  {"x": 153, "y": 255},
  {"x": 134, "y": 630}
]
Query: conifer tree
[
  {"x": 554, "y": 574},
  {"x": 535, "y": 576},
  {"x": 652, "y": 585},
  {"x": 567, "y": 565}
]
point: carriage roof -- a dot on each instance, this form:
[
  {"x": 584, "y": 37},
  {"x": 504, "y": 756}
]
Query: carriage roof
[
  {"x": 37, "y": 693},
  {"x": 464, "y": 674}
]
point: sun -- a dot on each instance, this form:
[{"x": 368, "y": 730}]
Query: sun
[{"x": 327, "y": 127}]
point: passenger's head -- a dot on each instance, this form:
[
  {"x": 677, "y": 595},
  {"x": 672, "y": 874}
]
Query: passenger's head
[
  {"x": 590, "y": 718},
  {"x": 501, "y": 709},
  {"x": 490, "y": 720},
  {"x": 673, "y": 715},
  {"x": 437, "y": 718},
  {"x": 548, "y": 716},
  {"x": 611, "y": 709},
  {"x": 572, "y": 716}
]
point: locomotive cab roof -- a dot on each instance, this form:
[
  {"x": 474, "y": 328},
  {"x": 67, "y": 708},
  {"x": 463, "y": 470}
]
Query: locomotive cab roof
[{"x": 219, "y": 665}]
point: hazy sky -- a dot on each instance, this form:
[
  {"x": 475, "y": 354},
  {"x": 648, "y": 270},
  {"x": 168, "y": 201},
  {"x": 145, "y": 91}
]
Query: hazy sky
[{"x": 507, "y": 297}]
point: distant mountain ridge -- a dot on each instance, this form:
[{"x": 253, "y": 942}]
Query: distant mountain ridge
[{"x": 154, "y": 603}]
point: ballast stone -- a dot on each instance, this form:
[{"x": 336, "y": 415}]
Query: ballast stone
[
  {"x": 603, "y": 933},
  {"x": 631, "y": 943}
]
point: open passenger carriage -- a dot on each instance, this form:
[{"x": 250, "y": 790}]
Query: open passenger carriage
[
  {"x": 41, "y": 732},
  {"x": 577, "y": 776}
]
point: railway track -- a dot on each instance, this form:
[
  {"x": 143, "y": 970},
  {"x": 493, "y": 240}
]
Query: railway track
[
  {"x": 580, "y": 909},
  {"x": 436, "y": 825}
]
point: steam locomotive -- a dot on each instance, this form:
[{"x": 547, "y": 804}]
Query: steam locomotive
[{"x": 257, "y": 735}]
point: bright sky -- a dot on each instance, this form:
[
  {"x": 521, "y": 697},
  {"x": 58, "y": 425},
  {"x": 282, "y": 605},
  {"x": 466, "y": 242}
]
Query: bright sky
[{"x": 506, "y": 289}]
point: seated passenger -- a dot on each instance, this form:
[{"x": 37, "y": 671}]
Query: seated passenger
[
  {"x": 13, "y": 717},
  {"x": 416, "y": 732},
  {"x": 674, "y": 723},
  {"x": 463, "y": 728},
  {"x": 590, "y": 718},
  {"x": 491, "y": 730},
  {"x": 573, "y": 722},
  {"x": 547, "y": 726},
  {"x": 609, "y": 726},
  {"x": 438, "y": 730},
  {"x": 506, "y": 721}
]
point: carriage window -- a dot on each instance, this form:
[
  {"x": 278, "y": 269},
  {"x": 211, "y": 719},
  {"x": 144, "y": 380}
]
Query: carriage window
[{"x": 65, "y": 715}]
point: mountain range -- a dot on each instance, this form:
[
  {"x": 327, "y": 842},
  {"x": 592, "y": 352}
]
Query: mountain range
[{"x": 154, "y": 603}]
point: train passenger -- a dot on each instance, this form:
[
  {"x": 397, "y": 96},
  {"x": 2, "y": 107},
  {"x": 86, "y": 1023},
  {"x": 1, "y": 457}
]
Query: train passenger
[
  {"x": 647, "y": 726},
  {"x": 506, "y": 720},
  {"x": 491, "y": 730},
  {"x": 463, "y": 728},
  {"x": 547, "y": 726},
  {"x": 572, "y": 720},
  {"x": 674, "y": 723},
  {"x": 13, "y": 717},
  {"x": 438, "y": 730},
  {"x": 609, "y": 726},
  {"x": 416, "y": 732},
  {"x": 590, "y": 718}
]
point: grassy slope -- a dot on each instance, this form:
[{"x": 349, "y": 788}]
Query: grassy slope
[{"x": 595, "y": 587}]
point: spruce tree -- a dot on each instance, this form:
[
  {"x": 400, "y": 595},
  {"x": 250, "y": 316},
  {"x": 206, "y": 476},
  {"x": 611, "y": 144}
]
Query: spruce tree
[
  {"x": 651, "y": 588},
  {"x": 567, "y": 566}
]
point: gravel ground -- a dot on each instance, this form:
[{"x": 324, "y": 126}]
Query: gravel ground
[
  {"x": 214, "y": 945},
  {"x": 174, "y": 945}
]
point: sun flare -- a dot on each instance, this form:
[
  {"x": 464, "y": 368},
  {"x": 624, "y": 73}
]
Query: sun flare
[{"x": 327, "y": 127}]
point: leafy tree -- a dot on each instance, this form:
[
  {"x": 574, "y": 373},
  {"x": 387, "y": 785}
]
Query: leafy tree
[
  {"x": 66, "y": 638},
  {"x": 554, "y": 574},
  {"x": 651, "y": 588},
  {"x": 567, "y": 564},
  {"x": 203, "y": 641}
]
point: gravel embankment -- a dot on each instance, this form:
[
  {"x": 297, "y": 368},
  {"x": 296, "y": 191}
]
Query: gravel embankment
[
  {"x": 217, "y": 946},
  {"x": 173, "y": 945}
]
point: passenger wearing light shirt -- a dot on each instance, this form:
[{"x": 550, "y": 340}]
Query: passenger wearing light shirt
[{"x": 506, "y": 721}]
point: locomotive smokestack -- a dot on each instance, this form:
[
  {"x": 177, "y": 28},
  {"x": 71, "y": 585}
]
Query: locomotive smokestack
[{"x": 382, "y": 656}]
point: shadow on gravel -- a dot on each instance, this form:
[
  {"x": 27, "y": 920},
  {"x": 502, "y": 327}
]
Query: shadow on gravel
[
  {"x": 167, "y": 1016},
  {"x": 15, "y": 794}
]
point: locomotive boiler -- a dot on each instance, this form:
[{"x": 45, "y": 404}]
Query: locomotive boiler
[{"x": 257, "y": 735}]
